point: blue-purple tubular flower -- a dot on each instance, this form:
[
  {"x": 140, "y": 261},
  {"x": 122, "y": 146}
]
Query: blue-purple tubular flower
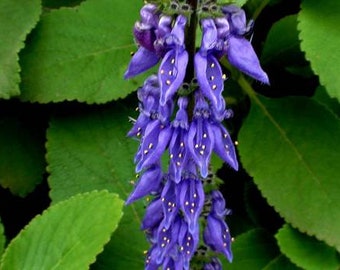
[
  {"x": 187, "y": 241},
  {"x": 179, "y": 154},
  {"x": 153, "y": 216},
  {"x": 215, "y": 264},
  {"x": 173, "y": 263},
  {"x": 201, "y": 137},
  {"x": 216, "y": 234},
  {"x": 170, "y": 203},
  {"x": 223, "y": 145},
  {"x": 153, "y": 144},
  {"x": 145, "y": 36},
  {"x": 148, "y": 96},
  {"x": 208, "y": 70},
  {"x": 148, "y": 183},
  {"x": 172, "y": 69},
  {"x": 167, "y": 240},
  {"x": 240, "y": 52},
  {"x": 191, "y": 200}
]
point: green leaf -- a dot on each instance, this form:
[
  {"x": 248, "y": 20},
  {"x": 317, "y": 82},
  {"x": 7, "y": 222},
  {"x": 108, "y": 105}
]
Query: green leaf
[
  {"x": 253, "y": 250},
  {"x": 320, "y": 35},
  {"x": 81, "y": 53},
  {"x": 22, "y": 161},
  {"x": 2, "y": 238},
  {"x": 17, "y": 18},
  {"x": 281, "y": 262},
  {"x": 90, "y": 151},
  {"x": 68, "y": 235},
  {"x": 305, "y": 251},
  {"x": 323, "y": 97},
  {"x": 282, "y": 49},
  {"x": 291, "y": 148}
]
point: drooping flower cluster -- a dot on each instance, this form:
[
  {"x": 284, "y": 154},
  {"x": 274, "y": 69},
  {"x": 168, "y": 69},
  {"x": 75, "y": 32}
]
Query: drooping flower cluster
[{"x": 188, "y": 127}]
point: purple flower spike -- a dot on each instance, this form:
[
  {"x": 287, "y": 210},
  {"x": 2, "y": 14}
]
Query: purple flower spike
[
  {"x": 191, "y": 199},
  {"x": 172, "y": 69},
  {"x": 242, "y": 56},
  {"x": 169, "y": 203},
  {"x": 149, "y": 182},
  {"x": 201, "y": 136},
  {"x": 208, "y": 70},
  {"x": 223, "y": 145},
  {"x": 215, "y": 264},
  {"x": 187, "y": 242},
  {"x": 179, "y": 154}
]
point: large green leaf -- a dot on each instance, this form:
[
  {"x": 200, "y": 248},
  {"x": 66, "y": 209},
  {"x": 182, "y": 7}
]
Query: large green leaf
[
  {"x": 320, "y": 35},
  {"x": 2, "y": 238},
  {"x": 291, "y": 148},
  {"x": 279, "y": 48},
  {"x": 253, "y": 250},
  {"x": 68, "y": 235},
  {"x": 323, "y": 97},
  {"x": 81, "y": 53},
  {"x": 90, "y": 151},
  {"x": 22, "y": 161},
  {"x": 281, "y": 262},
  {"x": 306, "y": 251},
  {"x": 17, "y": 18}
]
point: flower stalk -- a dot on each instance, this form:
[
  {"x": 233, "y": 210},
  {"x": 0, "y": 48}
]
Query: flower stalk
[{"x": 188, "y": 127}]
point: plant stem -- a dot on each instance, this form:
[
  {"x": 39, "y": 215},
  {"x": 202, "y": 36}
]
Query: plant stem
[
  {"x": 190, "y": 40},
  {"x": 246, "y": 87}
]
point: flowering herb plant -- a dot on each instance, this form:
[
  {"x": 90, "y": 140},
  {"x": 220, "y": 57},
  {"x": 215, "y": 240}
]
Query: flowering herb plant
[{"x": 229, "y": 161}]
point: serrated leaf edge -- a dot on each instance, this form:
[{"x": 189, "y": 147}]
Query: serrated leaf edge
[
  {"x": 56, "y": 206},
  {"x": 20, "y": 45},
  {"x": 277, "y": 126}
]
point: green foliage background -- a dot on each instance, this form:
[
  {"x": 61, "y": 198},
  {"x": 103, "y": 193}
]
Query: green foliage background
[{"x": 64, "y": 112}]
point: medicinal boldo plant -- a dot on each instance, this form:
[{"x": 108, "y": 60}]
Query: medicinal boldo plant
[
  {"x": 230, "y": 161},
  {"x": 182, "y": 110}
]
